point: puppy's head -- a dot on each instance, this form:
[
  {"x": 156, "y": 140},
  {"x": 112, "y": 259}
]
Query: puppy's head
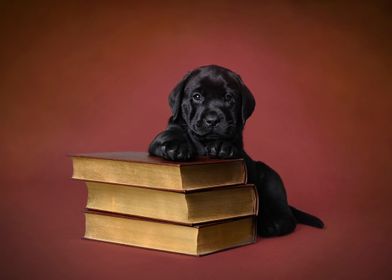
[{"x": 212, "y": 101}]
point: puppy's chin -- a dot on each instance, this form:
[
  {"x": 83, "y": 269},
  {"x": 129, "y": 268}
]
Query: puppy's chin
[{"x": 213, "y": 133}]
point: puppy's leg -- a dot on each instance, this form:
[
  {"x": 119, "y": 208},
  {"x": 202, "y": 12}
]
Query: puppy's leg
[
  {"x": 222, "y": 149},
  {"x": 275, "y": 216},
  {"x": 172, "y": 144}
]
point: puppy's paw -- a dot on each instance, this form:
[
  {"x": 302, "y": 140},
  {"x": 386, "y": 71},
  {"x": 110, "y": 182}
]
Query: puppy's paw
[
  {"x": 277, "y": 225},
  {"x": 222, "y": 149},
  {"x": 177, "y": 151}
]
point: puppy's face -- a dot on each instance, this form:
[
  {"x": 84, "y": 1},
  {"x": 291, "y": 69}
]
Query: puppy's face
[
  {"x": 213, "y": 102},
  {"x": 211, "y": 105}
]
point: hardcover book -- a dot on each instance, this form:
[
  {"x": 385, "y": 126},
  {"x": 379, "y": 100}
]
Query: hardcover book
[
  {"x": 140, "y": 169},
  {"x": 192, "y": 240},
  {"x": 188, "y": 208}
]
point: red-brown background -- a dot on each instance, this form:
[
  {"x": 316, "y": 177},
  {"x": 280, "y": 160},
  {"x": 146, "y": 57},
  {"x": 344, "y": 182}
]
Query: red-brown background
[{"x": 95, "y": 76}]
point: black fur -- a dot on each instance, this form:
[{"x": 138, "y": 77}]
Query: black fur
[{"x": 209, "y": 109}]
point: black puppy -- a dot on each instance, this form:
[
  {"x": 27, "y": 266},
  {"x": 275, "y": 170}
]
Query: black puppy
[{"x": 210, "y": 106}]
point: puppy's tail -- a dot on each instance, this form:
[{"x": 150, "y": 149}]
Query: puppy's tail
[{"x": 306, "y": 219}]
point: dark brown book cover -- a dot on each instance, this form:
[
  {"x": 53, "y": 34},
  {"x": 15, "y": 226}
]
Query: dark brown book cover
[{"x": 143, "y": 157}]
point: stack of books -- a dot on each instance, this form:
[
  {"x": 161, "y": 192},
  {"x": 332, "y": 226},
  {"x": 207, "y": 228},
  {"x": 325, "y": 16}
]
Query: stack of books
[{"x": 194, "y": 208}]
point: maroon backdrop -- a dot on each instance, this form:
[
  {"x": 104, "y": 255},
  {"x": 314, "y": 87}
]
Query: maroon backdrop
[{"x": 95, "y": 76}]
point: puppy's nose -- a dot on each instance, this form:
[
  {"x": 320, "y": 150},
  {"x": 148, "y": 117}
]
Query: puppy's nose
[{"x": 211, "y": 119}]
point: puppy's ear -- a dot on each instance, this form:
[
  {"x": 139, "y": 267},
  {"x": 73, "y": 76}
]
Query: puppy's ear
[
  {"x": 248, "y": 102},
  {"x": 176, "y": 95}
]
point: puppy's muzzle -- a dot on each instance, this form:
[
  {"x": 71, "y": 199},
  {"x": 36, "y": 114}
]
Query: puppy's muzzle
[{"x": 211, "y": 119}]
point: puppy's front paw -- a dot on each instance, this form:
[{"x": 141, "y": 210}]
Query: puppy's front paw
[
  {"x": 277, "y": 225},
  {"x": 177, "y": 151},
  {"x": 222, "y": 149}
]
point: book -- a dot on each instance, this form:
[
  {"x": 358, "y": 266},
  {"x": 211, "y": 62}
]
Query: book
[
  {"x": 192, "y": 240},
  {"x": 141, "y": 169},
  {"x": 188, "y": 208}
]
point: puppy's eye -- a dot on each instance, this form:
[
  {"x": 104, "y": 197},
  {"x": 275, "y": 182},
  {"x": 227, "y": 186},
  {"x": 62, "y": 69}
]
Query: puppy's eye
[
  {"x": 196, "y": 96},
  {"x": 228, "y": 97}
]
